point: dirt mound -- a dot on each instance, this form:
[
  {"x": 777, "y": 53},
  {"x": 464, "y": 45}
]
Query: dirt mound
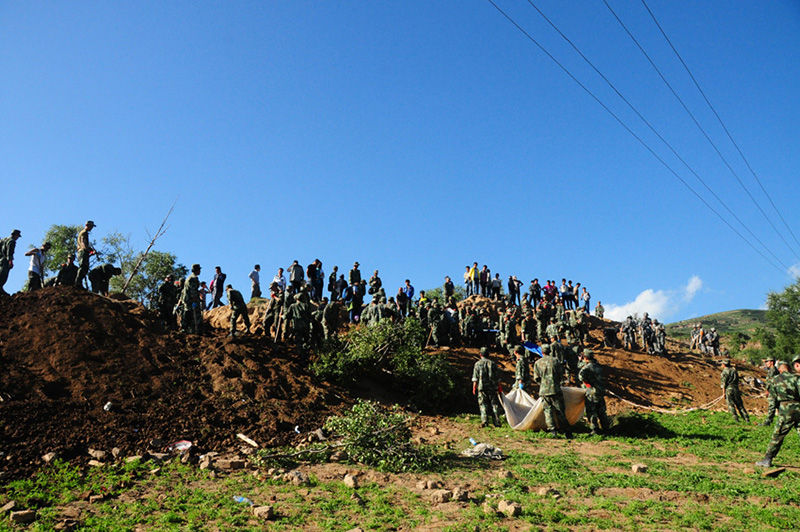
[{"x": 65, "y": 353}]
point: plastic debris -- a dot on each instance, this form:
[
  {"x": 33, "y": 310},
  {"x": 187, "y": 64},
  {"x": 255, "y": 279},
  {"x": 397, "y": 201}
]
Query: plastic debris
[
  {"x": 473, "y": 441},
  {"x": 243, "y": 500},
  {"x": 297, "y": 429},
  {"x": 108, "y": 406},
  {"x": 484, "y": 450},
  {"x": 180, "y": 446}
]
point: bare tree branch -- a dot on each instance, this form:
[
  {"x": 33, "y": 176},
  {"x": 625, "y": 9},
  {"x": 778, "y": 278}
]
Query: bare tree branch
[{"x": 159, "y": 233}]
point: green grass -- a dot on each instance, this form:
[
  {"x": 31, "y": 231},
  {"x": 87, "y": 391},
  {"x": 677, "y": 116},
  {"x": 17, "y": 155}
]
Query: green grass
[
  {"x": 727, "y": 323},
  {"x": 700, "y": 476}
]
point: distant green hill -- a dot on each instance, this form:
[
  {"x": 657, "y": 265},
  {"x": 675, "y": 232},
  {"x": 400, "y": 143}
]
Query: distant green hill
[{"x": 729, "y": 322}]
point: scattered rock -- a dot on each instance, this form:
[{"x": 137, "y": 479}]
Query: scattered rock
[
  {"x": 96, "y": 463},
  {"x": 247, "y": 440},
  {"x": 351, "y": 481},
  {"x": 296, "y": 477},
  {"x": 422, "y": 485},
  {"x": 155, "y": 471},
  {"x": 441, "y": 496},
  {"x": 339, "y": 456},
  {"x": 460, "y": 494},
  {"x": 434, "y": 484},
  {"x": 205, "y": 462},
  {"x": 356, "y": 529},
  {"x": 115, "y": 452},
  {"x": 510, "y": 509},
  {"x": 544, "y": 491},
  {"x": 158, "y": 457},
  {"x": 66, "y": 524},
  {"x": 23, "y": 517},
  {"x": 133, "y": 458},
  {"x": 94, "y": 499},
  {"x": 639, "y": 468},
  {"x": 504, "y": 474},
  {"x": 97, "y": 454},
  {"x": 232, "y": 464},
  {"x": 264, "y": 512},
  {"x": 71, "y": 512},
  {"x": 433, "y": 431},
  {"x": 488, "y": 509},
  {"x": 10, "y": 505},
  {"x": 357, "y": 498},
  {"x": 319, "y": 435},
  {"x": 49, "y": 457}
]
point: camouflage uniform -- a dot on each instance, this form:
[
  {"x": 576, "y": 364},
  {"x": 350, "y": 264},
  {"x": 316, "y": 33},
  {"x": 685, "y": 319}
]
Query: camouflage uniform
[
  {"x": 591, "y": 376},
  {"x": 299, "y": 321},
  {"x": 192, "y": 320},
  {"x": 485, "y": 385},
  {"x": 528, "y": 328},
  {"x": 167, "y": 298},
  {"x": 772, "y": 406},
  {"x": 330, "y": 319},
  {"x": 84, "y": 251},
  {"x": 522, "y": 371},
  {"x": 786, "y": 390},
  {"x": 238, "y": 308},
  {"x": 7, "y": 247},
  {"x": 730, "y": 386},
  {"x": 541, "y": 322},
  {"x": 548, "y": 372},
  {"x": 272, "y": 312},
  {"x": 599, "y": 311}
]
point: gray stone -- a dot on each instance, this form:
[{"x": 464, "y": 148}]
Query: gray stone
[
  {"x": 158, "y": 457},
  {"x": 115, "y": 452},
  {"x": 264, "y": 512},
  {"x": 49, "y": 457},
  {"x": 639, "y": 468},
  {"x": 339, "y": 456},
  {"x": 351, "y": 481},
  {"x": 96, "y": 463},
  {"x": 232, "y": 464},
  {"x": 460, "y": 494},
  {"x": 544, "y": 491},
  {"x": 133, "y": 458},
  {"x": 10, "y": 505},
  {"x": 93, "y": 499},
  {"x": 23, "y": 517},
  {"x": 97, "y": 454},
  {"x": 488, "y": 509},
  {"x": 296, "y": 477},
  {"x": 441, "y": 496},
  {"x": 504, "y": 474},
  {"x": 510, "y": 509}
]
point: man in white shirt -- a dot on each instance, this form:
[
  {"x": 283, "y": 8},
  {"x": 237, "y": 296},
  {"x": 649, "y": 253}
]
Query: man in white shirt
[
  {"x": 36, "y": 269},
  {"x": 280, "y": 279},
  {"x": 255, "y": 282}
]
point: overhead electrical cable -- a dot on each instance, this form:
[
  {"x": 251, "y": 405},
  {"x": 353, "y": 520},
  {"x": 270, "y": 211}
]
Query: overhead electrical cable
[
  {"x": 633, "y": 134},
  {"x": 721, "y": 123},
  {"x": 702, "y": 130}
]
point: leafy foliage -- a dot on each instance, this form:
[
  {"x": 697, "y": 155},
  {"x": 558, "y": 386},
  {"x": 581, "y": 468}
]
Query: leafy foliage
[
  {"x": 63, "y": 239},
  {"x": 438, "y": 293},
  {"x": 783, "y": 315},
  {"x": 393, "y": 349},
  {"x": 380, "y": 437}
]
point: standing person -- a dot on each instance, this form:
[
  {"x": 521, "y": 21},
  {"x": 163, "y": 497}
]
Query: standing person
[
  {"x": 599, "y": 310},
  {"x": 68, "y": 272},
  {"x": 467, "y": 281},
  {"x": 401, "y": 301},
  {"x": 497, "y": 286},
  {"x": 36, "y": 268},
  {"x": 333, "y": 287},
  {"x": 449, "y": 289},
  {"x": 591, "y": 377},
  {"x": 255, "y": 282},
  {"x": 341, "y": 286},
  {"x": 218, "y": 287},
  {"x": 319, "y": 282},
  {"x": 475, "y": 277},
  {"x": 296, "y": 278},
  {"x": 192, "y": 319},
  {"x": 772, "y": 372},
  {"x": 535, "y": 291},
  {"x": 7, "y": 247},
  {"x": 586, "y": 298},
  {"x": 522, "y": 371},
  {"x": 355, "y": 274},
  {"x": 485, "y": 280},
  {"x": 203, "y": 291},
  {"x": 375, "y": 283},
  {"x": 99, "y": 277},
  {"x": 280, "y": 280},
  {"x": 566, "y": 296},
  {"x": 485, "y": 384},
  {"x": 238, "y": 308},
  {"x": 549, "y": 373},
  {"x": 785, "y": 388},
  {"x": 85, "y": 250},
  {"x": 730, "y": 388},
  {"x": 515, "y": 296},
  {"x": 409, "y": 292},
  {"x": 165, "y": 302}
]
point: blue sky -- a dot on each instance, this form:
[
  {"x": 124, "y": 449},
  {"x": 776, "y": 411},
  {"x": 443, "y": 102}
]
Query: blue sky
[{"x": 414, "y": 137}]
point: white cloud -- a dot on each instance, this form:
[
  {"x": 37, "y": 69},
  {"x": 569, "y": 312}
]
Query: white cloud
[
  {"x": 659, "y": 304},
  {"x": 794, "y": 270}
]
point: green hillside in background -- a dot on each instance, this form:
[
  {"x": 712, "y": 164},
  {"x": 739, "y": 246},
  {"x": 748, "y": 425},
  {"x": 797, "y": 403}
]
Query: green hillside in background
[{"x": 728, "y": 322}]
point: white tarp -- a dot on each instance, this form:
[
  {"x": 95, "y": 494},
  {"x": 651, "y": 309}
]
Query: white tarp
[{"x": 523, "y": 412}]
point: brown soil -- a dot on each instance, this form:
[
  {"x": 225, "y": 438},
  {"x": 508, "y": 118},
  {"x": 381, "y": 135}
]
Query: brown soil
[{"x": 65, "y": 353}]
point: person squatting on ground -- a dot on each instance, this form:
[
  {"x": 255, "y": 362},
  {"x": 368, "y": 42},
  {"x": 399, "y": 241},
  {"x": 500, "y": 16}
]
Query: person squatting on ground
[
  {"x": 785, "y": 388},
  {"x": 591, "y": 377},
  {"x": 486, "y": 385},
  {"x": 730, "y": 387}
]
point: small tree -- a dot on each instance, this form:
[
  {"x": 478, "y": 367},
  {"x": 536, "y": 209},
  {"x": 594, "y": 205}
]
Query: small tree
[
  {"x": 438, "y": 293},
  {"x": 783, "y": 315},
  {"x": 63, "y": 239}
]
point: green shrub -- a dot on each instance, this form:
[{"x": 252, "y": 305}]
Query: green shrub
[
  {"x": 391, "y": 353},
  {"x": 380, "y": 437}
]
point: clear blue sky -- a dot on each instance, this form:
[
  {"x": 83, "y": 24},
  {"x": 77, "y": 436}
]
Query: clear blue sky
[{"x": 414, "y": 137}]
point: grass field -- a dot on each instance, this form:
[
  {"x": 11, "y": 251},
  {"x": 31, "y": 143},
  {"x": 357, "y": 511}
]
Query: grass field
[
  {"x": 700, "y": 475},
  {"x": 726, "y": 323}
]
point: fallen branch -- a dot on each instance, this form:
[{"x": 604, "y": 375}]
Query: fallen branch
[{"x": 159, "y": 233}]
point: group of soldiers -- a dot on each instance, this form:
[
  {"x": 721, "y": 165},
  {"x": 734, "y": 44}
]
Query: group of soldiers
[
  {"x": 705, "y": 342},
  {"x": 549, "y": 373},
  {"x": 652, "y": 335},
  {"x": 783, "y": 386},
  {"x": 74, "y": 272}
]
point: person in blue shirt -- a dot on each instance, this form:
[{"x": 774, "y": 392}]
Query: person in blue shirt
[{"x": 408, "y": 290}]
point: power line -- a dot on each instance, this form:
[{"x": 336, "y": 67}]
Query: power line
[
  {"x": 721, "y": 123},
  {"x": 632, "y": 133},
  {"x": 653, "y": 129}
]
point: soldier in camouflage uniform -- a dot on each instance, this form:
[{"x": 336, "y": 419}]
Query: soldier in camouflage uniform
[
  {"x": 786, "y": 389},
  {"x": 7, "y": 247},
  {"x": 599, "y": 310},
  {"x": 317, "y": 333},
  {"x": 552, "y": 330},
  {"x": 527, "y": 328},
  {"x": 730, "y": 387},
  {"x": 238, "y": 308},
  {"x": 485, "y": 384},
  {"x": 541, "y": 321},
  {"x": 508, "y": 330},
  {"x": 330, "y": 319},
  {"x": 166, "y": 299},
  {"x": 522, "y": 371},
  {"x": 192, "y": 319},
  {"x": 299, "y": 321},
  {"x": 549, "y": 372},
  {"x": 628, "y": 330},
  {"x": 591, "y": 377},
  {"x": 772, "y": 372}
]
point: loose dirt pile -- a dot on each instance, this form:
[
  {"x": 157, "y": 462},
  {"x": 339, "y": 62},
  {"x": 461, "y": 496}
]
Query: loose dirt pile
[{"x": 65, "y": 353}]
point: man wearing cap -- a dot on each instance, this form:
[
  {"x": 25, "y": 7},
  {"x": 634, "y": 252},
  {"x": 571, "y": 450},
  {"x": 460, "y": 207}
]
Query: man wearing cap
[
  {"x": 36, "y": 268},
  {"x": 166, "y": 299},
  {"x": 730, "y": 387},
  {"x": 591, "y": 377},
  {"x": 85, "y": 250},
  {"x": 549, "y": 372},
  {"x": 772, "y": 372},
  {"x": 786, "y": 389},
  {"x": 99, "y": 277},
  {"x": 485, "y": 384},
  {"x": 7, "y": 247},
  {"x": 522, "y": 371},
  {"x": 238, "y": 308},
  {"x": 355, "y": 274},
  {"x": 68, "y": 272},
  {"x": 192, "y": 320}
]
